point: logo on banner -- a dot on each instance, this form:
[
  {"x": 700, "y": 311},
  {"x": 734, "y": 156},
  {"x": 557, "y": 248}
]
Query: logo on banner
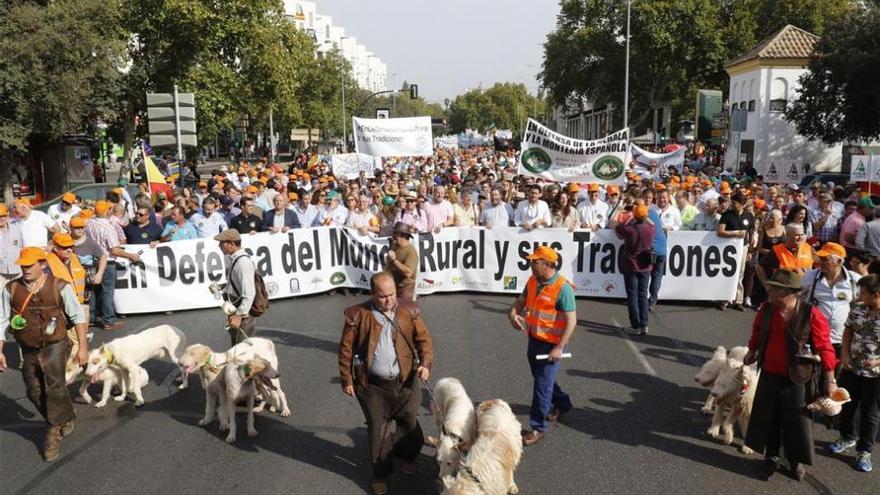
[
  {"x": 421, "y": 143},
  {"x": 793, "y": 173},
  {"x": 363, "y": 282},
  {"x": 608, "y": 167},
  {"x": 772, "y": 172},
  {"x": 271, "y": 288},
  {"x": 876, "y": 175},
  {"x": 427, "y": 283},
  {"x": 337, "y": 278},
  {"x": 609, "y": 287},
  {"x": 294, "y": 286},
  {"x": 456, "y": 280},
  {"x": 536, "y": 160},
  {"x": 510, "y": 283},
  {"x": 860, "y": 170},
  {"x": 317, "y": 281}
]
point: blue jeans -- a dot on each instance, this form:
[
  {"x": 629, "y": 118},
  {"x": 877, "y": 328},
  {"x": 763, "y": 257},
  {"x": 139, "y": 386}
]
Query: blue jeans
[
  {"x": 102, "y": 299},
  {"x": 637, "y": 297},
  {"x": 545, "y": 392},
  {"x": 657, "y": 277}
]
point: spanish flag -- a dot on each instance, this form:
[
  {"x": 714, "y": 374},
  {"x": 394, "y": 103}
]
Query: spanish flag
[{"x": 156, "y": 179}]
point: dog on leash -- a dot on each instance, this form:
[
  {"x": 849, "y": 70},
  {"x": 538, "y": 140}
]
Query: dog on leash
[
  {"x": 236, "y": 382},
  {"x": 734, "y": 391},
  {"x": 457, "y": 422},
  {"x": 711, "y": 368},
  {"x": 127, "y": 353},
  {"x": 490, "y": 463},
  {"x": 109, "y": 377}
]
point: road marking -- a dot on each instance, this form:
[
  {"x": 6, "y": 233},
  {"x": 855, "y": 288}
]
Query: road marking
[
  {"x": 641, "y": 357},
  {"x": 344, "y": 460}
]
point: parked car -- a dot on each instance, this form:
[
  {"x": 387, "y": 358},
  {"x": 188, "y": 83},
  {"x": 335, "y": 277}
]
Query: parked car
[
  {"x": 88, "y": 192},
  {"x": 837, "y": 178}
]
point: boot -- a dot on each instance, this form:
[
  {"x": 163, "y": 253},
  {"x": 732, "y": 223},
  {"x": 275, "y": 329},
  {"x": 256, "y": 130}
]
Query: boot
[
  {"x": 52, "y": 446},
  {"x": 67, "y": 428}
]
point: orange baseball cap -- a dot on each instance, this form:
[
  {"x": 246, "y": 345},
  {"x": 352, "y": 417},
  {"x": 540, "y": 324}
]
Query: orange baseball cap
[
  {"x": 660, "y": 187},
  {"x": 22, "y": 201},
  {"x": 4, "y": 210},
  {"x": 831, "y": 248},
  {"x": 61, "y": 239},
  {"x": 593, "y": 187},
  {"x": 102, "y": 207},
  {"x": 545, "y": 253},
  {"x": 30, "y": 255},
  {"x": 203, "y": 184},
  {"x": 573, "y": 188},
  {"x": 760, "y": 204},
  {"x": 292, "y": 196},
  {"x": 69, "y": 197},
  {"x": 252, "y": 190},
  {"x": 87, "y": 213},
  {"x": 78, "y": 222},
  {"x": 612, "y": 190},
  {"x": 640, "y": 212},
  {"x": 725, "y": 188}
]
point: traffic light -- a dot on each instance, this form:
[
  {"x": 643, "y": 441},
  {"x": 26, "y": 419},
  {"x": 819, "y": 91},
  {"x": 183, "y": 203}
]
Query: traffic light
[{"x": 414, "y": 91}]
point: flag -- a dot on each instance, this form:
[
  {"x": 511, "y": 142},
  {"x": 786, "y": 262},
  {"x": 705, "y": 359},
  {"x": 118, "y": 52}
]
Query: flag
[{"x": 156, "y": 179}]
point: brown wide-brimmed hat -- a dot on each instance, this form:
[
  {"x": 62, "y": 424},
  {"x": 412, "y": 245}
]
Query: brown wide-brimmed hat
[
  {"x": 401, "y": 228},
  {"x": 785, "y": 279}
]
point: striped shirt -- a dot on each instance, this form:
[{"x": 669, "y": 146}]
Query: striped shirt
[{"x": 103, "y": 233}]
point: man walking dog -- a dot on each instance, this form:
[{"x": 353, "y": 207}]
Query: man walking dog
[
  {"x": 384, "y": 351},
  {"x": 549, "y": 321}
]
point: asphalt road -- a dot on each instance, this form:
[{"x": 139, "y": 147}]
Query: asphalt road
[{"x": 636, "y": 426}]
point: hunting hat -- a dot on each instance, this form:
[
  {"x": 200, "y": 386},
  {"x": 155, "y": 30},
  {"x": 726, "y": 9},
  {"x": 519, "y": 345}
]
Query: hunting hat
[
  {"x": 640, "y": 212},
  {"x": 228, "y": 235},
  {"x": 4, "y": 210},
  {"x": 401, "y": 228},
  {"x": 593, "y": 187},
  {"x": 785, "y": 279},
  {"x": 69, "y": 198},
  {"x": 573, "y": 188},
  {"x": 30, "y": 255},
  {"x": 61, "y": 239},
  {"x": 544, "y": 253},
  {"x": 832, "y": 249},
  {"x": 77, "y": 222}
]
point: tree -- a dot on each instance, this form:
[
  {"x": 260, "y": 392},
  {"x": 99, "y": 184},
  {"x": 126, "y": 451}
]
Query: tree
[
  {"x": 838, "y": 99},
  {"x": 504, "y": 106},
  {"x": 59, "y": 67}
]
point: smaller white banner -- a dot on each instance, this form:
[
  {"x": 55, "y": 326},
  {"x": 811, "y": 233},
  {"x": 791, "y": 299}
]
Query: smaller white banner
[
  {"x": 782, "y": 171},
  {"x": 661, "y": 160},
  {"x": 860, "y": 169},
  {"x": 409, "y": 136},
  {"x": 350, "y": 165}
]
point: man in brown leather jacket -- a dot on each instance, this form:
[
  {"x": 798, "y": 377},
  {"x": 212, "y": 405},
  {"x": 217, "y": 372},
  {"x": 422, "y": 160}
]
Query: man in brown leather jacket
[
  {"x": 36, "y": 309},
  {"x": 385, "y": 349}
]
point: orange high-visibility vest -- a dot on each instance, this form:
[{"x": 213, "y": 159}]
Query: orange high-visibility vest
[
  {"x": 544, "y": 322},
  {"x": 787, "y": 261},
  {"x": 75, "y": 274}
]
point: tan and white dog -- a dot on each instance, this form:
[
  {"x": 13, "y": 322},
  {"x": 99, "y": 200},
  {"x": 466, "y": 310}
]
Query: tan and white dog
[
  {"x": 711, "y": 368},
  {"x": 489, "y": 465},
  {"x": 734, "y": 392},
  {"x": 457, "y": 422},
  {"x": 109, "y": 377},
  {"x": 127, "y": 354},
  {"x": 236, "y": 382}
]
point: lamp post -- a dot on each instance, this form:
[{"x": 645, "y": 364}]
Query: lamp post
[{"x": 626, "y": 73}]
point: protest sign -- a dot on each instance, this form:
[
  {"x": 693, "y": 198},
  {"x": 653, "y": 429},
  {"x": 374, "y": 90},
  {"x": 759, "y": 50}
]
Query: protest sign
[
  {"x": 661, "y": 160},
  {"x": 409, "y": 136},
  {"x": 176, "y": 275},
  {"x": 860, "y": 168},
  {"x": 559, "y": 158},
  {"x": 350, "y": 165},
  {"x": 782, "y": 171}
]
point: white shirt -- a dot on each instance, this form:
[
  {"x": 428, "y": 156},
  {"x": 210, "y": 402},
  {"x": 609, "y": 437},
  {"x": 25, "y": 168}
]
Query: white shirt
[
  {"x": 337, "y": 216},
  {"x": 35, "y": 230},
  {"x": 593, "y": 214},
  {"x": 497, "y": 215},
  {"x": 670, "y": 217},
  {"x": 277, "y": 220},
  {"x": 357, "y": 219},
  {"x": 306, "y": 215},
  {"x": 833, "y": 302},
  {"x": 62, "y": 218},
  {"x": 527, "y": 213},
  {"x": 208, "y": 226}
]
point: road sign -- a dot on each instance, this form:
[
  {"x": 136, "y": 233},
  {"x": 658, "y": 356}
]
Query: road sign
[
  {"x": 165, "y": 125},
  {"x": 383, "y": 113}
]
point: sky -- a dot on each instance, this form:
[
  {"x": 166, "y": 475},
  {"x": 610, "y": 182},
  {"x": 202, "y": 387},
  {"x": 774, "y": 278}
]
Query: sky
[{"x": 450, "y": 46}]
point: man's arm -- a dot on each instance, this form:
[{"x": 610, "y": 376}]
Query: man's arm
[
  {"x": 244, "y": 281},
  {"x": 515, "y": 314},
  {"x": 422, "y": 341},
  {"x": 4, "y": 325},
  {"x": 122, "y": 253},
  {"x": 860, "y": 236},
  {"x": 346, "y": 351}
]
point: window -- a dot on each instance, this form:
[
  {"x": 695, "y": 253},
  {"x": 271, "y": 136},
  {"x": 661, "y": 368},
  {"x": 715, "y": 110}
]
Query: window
[
  {"x": 734, "y": 106},
  {"x": 778, "y": 95},
  {"x": 778, "y": 105},
  {"x": 751, "y": 105}
]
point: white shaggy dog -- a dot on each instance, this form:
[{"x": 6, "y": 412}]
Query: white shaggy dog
[
  {"x": 110, "y": 377},
  {"x": 711, "y": 368},
  {"x": 734, "y": 389},
  {"x": 127, "y": 353},
  {"x": 458, "y": 424},
  {"x": 264, "y": 348},
  {"x": 236, "y": 382},
  {"x": 488, "y": 467}
]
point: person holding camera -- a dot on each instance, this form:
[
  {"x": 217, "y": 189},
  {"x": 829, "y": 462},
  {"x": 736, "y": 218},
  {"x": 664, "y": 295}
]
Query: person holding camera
[{"x": 638, "y": 262}]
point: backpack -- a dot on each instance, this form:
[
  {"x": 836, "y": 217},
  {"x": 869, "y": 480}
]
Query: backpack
[{"x": 261, "y": 296}]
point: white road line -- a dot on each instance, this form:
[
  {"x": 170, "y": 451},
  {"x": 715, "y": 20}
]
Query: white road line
[{"x": 641, "y": 357}]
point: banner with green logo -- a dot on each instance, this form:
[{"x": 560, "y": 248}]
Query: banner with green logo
[{"x": 559, "y": 158}]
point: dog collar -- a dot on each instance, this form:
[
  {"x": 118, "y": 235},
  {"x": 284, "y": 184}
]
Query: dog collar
[{"x": 107, "y": 355}]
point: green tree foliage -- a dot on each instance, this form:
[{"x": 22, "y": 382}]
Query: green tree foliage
[
  {"x": 838, "y": 99},
  {"x": 504, "y": 105},
  {"x": 676, "y": 47},
  {"x": 58, "y": 67}
]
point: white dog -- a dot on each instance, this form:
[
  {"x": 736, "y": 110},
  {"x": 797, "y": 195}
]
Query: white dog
[
  {"x": 458, "y": 424},
  {"x": 264, "y": 348},
  {"x": 110, "y": 377},
  {"x": 127, "y": 353},
  {"x": 711, "y": 368},
  {"x": 236, "y": 382},
  {"x": 488, "y": 467},
  {"x": 734, "y": 389}
]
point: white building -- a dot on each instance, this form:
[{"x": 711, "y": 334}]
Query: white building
[
  {"x": 763, "y": 81},
  {"x": 368, "y": 70}
]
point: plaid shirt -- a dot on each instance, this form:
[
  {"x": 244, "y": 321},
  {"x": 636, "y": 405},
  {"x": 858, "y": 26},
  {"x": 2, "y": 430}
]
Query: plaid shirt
[{"x": 831, "y": 230}]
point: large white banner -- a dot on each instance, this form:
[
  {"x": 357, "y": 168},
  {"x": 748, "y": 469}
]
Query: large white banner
[
  {"x": 409, "y": 136},
  {"x": 350, "y": 165},
  {"x": 176, "y": 275},
  {"x": 560, "y": 158},
  {"x": 662, "y": 161}
]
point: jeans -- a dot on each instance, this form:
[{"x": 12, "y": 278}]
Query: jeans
[
  {"x": 101, "y": 302},
  {"x": 865, "y": 393},
  {"x": 657, "y": 277},
  {"x": 637, "y": 298},
  {"x": 545, "y": 392}
]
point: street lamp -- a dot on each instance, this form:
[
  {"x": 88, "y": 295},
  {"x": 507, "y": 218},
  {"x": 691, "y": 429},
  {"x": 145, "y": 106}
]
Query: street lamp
[{"x": 626, "y": 73}]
